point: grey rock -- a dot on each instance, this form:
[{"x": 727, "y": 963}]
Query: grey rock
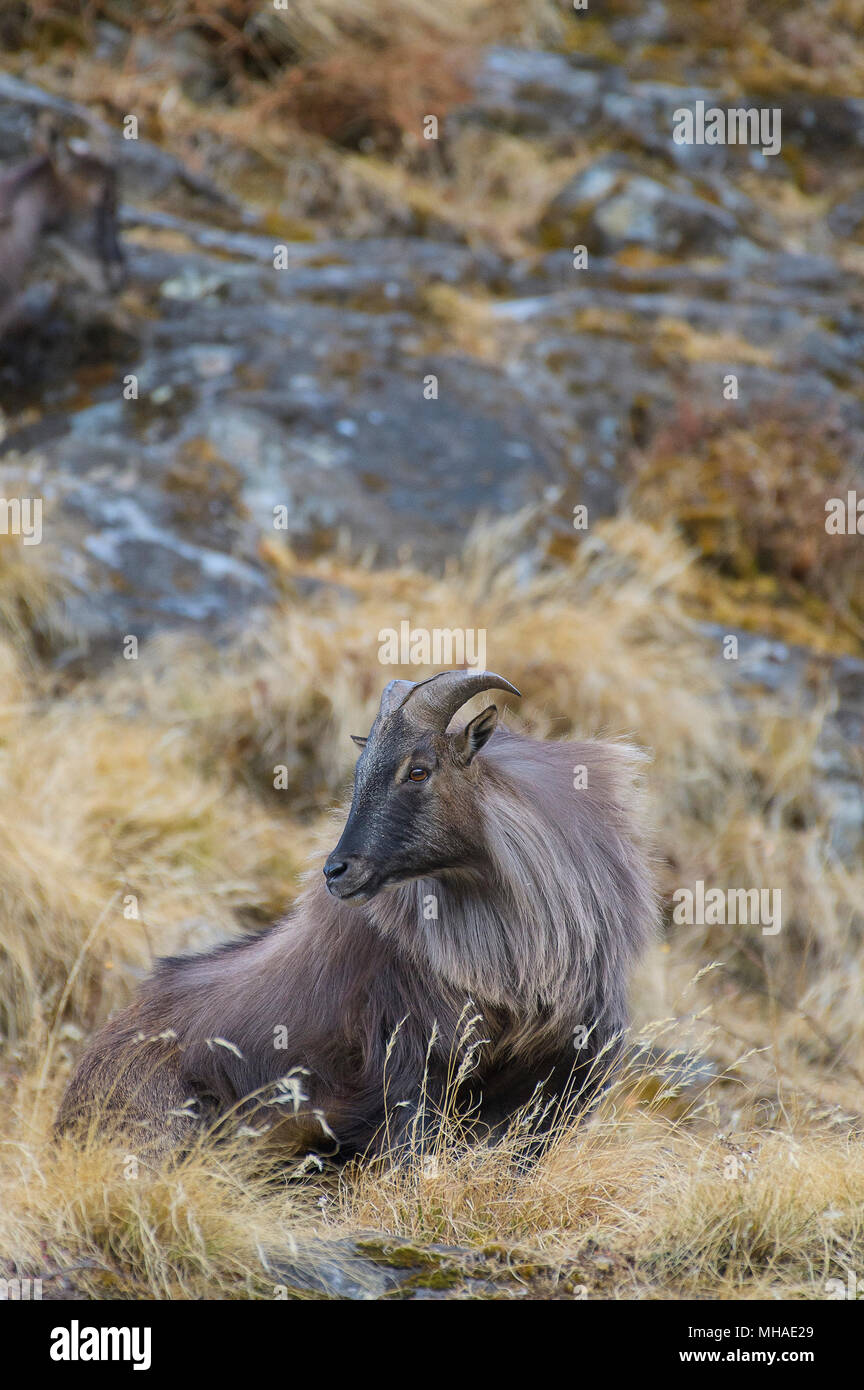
[
  {"x": 608, "y": 206},
  {"x": 335, "y": 1269}
]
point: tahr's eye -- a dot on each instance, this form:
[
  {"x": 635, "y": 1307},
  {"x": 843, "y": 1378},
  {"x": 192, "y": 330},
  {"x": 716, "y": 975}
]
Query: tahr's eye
[{"x": 418, "y": 774}]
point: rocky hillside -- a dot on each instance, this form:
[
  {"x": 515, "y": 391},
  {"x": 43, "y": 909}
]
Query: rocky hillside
[
  {"x": 402, "y": 259},
  {"x": 357, "y": 375}
]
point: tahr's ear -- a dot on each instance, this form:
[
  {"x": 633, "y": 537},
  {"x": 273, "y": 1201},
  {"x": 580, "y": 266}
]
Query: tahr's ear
[
  {"x": 359, "y": 740},
  {"x": 475, "y": 735}
]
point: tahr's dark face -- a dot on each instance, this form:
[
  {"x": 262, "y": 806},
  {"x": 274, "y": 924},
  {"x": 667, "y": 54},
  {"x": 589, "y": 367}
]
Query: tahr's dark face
[{"x": 413, "y": 811}]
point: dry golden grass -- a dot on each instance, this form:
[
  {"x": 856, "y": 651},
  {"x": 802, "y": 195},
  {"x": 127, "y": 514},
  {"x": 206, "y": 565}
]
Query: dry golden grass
[
  {"x": 365, "y": 69},
  {"x": 667, "y": 1210},
  {"x": 673, "y": 340},
  {"x": 137, "y": 1232},
  {"x": 358, "y": 97},
  {"x": 296, "y": 94},
  {"x": 242, "y": 28},
  {"x": 760, "y": 46},
  {"x": 491, "y": 190},
  {"x": 751, "y": 497},
  {"x": 633, "y": 1205},
  {"x": 155, "y": 778},
  {"x": 31, "y": 594}
]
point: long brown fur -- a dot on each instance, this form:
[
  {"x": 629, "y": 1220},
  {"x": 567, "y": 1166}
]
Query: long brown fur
[
  {"x": 356, "y": 1005},
  {"x": 70, "y": 195}
]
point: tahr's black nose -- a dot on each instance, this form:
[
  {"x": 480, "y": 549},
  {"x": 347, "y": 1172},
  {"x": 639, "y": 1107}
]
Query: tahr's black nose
[{"x": 334, "y": 868}]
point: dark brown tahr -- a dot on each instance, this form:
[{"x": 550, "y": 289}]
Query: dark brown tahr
[
  {"x": 480, "y": 875},
  {"x": 63, "y": 201}
]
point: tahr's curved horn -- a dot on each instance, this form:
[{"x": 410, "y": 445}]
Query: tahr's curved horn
[
  {"x": 392, "y": 696},
  {"x": 432, "y": 703}
]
